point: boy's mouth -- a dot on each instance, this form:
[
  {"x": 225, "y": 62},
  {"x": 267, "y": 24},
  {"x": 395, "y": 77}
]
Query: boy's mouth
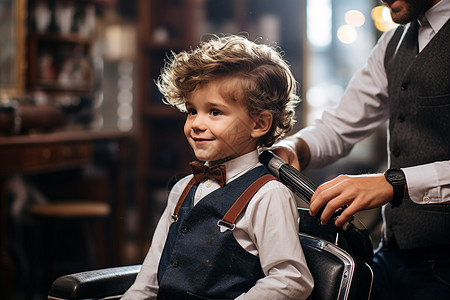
[{"x": 201, "y": 141}]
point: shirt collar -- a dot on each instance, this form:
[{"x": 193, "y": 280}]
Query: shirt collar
[
  {"x": 241, "y": 164},
  {"x": 437, "y": 15}
]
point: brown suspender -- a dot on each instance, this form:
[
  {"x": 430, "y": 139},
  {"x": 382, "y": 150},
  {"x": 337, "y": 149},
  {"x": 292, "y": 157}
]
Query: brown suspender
[
  {"x": 228, "y": 220},
  {"x": 181, "y": 200}
]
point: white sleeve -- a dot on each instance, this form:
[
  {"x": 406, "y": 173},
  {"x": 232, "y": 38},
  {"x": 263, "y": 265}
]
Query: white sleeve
[
  {"x": 273, "y": 227},
  {"x": 146, "y": 283},
  {"x": 429, "y": 183}
]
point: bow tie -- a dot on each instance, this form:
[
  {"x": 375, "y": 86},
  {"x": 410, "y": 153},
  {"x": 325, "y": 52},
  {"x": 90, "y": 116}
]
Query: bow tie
[{"x": 201, "y": 172}]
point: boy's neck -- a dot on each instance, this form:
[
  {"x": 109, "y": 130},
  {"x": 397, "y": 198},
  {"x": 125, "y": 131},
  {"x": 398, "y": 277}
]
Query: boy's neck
[
  {"x": 220, "y": 161},
  {"x": 223, "y": 160}
]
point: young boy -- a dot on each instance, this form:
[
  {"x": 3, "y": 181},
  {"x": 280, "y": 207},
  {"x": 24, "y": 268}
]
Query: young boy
[{"x": 239, "y": 96}]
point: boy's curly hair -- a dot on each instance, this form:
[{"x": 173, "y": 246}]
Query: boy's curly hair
[{"x": 264, "y": 76}]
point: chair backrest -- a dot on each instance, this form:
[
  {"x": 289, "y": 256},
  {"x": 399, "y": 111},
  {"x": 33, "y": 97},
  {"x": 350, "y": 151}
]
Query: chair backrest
[
  {"x": 337, "y": 257},
  {"x": 337, "y": 274}
]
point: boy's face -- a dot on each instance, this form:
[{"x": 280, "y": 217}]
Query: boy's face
[{"x": 217, "y": 127}]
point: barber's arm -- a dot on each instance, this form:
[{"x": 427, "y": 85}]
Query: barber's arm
[
  {"x": 425, "y": 184},
  {"x": 360, "y": 112},
  {"x": 293, "y": 150}
]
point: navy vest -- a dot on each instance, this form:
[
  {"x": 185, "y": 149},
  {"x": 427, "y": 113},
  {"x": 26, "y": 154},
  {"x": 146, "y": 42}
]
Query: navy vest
[
  {"x": 419, "y": 130},
  {"x": 200, "y": 262}
]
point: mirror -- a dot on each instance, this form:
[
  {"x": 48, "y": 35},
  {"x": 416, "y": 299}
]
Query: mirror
[{"x": 12, "y": 60}]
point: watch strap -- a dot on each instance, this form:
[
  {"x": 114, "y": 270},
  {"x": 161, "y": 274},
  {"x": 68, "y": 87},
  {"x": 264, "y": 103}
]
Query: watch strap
[{"x": 396, "y": 178}]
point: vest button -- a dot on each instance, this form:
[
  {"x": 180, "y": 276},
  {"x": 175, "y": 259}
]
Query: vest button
[
  {"x": 404, "y": 86},
  {"x": 401, "y": 117},
  {"x": 396, "y": 152},
  {"x": 175, "y": 264},
  {"x": 184, "y": 229}
]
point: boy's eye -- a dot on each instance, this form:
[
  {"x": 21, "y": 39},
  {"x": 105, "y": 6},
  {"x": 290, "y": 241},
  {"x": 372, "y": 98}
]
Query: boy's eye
[
  {"x": 215, "y": 112},
  {"x": 191, "y": 111}
]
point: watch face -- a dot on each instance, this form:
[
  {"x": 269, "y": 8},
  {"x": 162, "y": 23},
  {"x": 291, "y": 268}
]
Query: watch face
[{"x": 395, "y": 175}]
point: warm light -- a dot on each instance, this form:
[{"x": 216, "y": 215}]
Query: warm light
[
  {"x": 354, "y": 18},
  {"x": 125, "y": 111},
  {"x": 125, "y": 96},
  {"x": 125, "y": 124},
  {"x": 382, "y": 18},
  {"x": 125, "y": 114},
  {"x": 347, "y": 34},
  {"x": 120, "y": 41},
  {"x": 125, "y": 82}
]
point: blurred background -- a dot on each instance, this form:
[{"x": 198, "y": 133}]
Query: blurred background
[{"x": 88, "y": 151}]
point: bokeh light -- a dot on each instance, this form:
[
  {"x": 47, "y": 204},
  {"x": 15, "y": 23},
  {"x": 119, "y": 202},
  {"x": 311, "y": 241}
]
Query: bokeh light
[
  {"x": 347, "y": 34},
  {"x": 382, "y": 18},
  {"x": 354, "y": 18}
]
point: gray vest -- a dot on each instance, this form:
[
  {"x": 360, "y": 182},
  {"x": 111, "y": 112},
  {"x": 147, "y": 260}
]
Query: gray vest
[{"x": 419, "y": 129}]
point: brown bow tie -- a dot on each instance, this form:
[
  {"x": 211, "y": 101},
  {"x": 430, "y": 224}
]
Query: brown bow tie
[{"x": 201, "y": 172}]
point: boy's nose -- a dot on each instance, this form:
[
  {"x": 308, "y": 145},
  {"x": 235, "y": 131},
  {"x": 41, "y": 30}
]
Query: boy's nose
[{"x": 199, "y": 122}]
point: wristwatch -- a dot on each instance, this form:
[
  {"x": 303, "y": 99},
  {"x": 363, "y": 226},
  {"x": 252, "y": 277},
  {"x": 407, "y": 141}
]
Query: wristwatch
[{"x": 397, "y": 179}]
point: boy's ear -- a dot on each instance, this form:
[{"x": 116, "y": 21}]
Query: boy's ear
[{"x": 263, "y": 123}]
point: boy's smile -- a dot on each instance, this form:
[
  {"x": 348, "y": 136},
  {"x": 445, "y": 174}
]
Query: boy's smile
[
  {"x": 200, "y": 141},
  {"x": 217, "y": 126}
]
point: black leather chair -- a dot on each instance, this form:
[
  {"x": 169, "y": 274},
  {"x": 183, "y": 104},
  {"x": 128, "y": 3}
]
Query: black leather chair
[
  {"x": 338, "y": 257},
  {"x": 337, "y": 275},
  {"x": 108, "y": 283}
]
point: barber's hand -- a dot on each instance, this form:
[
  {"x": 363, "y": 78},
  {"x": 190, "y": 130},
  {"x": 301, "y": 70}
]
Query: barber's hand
[
  {"x": 288, "y": 155},
  {"x": 294, "y": 151},
  {"x": 360, "y": 192}
]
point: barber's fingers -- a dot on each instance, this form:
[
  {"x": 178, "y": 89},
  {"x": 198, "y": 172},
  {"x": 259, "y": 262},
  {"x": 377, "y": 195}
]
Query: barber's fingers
[
  {"x": 333, "y": 194},
  {"x": 357, "y": 192}
]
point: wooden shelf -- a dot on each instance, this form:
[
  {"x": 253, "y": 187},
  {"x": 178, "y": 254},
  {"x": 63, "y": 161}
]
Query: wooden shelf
[
  {"x": 101, "y": 2},
  {"x": 62, "y": 38},
  {"x": 60, "y": 63}
]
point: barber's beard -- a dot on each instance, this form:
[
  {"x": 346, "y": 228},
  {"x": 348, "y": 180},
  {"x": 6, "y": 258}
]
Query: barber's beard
[{"x": 414, "y": 9}]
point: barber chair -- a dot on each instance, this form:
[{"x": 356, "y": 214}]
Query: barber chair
[{"x": 338, "y": 257}]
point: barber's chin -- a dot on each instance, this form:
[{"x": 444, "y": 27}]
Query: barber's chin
[
  {"x": 400, "y": 18},
  {"x": 397, "y": 10}
]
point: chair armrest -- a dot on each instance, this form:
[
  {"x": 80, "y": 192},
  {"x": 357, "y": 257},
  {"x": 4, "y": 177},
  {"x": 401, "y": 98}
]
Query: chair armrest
[{"x": 94, "y": 284}]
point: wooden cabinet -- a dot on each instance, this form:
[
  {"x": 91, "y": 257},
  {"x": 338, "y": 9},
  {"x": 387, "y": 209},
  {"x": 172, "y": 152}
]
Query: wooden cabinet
[
  {"x": 63, "y": 74},
  {"x": 60, "y": 63},
  {"x": 174, "y": 25},
  {"x": 57, "y": 166},
  {"x": 61, "y": 35},
  {"x": 35, "y": 157}
]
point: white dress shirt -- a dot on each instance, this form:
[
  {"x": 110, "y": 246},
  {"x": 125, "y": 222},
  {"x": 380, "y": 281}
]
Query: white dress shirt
[
  {"x": 364, "y": 107},
  {"x": 267, "y": 228}
]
